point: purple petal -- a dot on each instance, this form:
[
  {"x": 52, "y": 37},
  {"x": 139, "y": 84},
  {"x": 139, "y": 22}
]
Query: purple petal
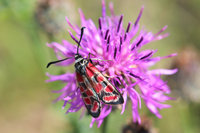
[
  {"x": 112, "y": 9},
  {"x": 125, "y": 100},
  {"x": 163, "y": 71},
  {"x": 163, "y": 29},
  {"x": 139, "y": 16},
  {"x": 67, "y": 77},
  {"x": 71, "y": 25}
]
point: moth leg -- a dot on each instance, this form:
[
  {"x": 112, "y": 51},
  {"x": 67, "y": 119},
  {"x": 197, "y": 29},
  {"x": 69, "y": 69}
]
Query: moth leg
[
  {"x": 95, "y": 58},
  {"x": 89, "y": 55},
  {"x": 95, "y": 63},
  {"x": 99, "y": 59},
  {"x": 90, "y": 59},
  {"x": 77, "y": 88},
  {"x": 108, "y": 77}
]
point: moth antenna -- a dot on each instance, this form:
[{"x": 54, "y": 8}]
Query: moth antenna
[
  {"x": 54, "y": 62},
  {"x": 82, "y": 30}
]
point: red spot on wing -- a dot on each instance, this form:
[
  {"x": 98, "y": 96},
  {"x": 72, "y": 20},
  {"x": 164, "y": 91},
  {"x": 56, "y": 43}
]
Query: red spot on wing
[
  {"x": 95, "y": 106},
  {"x": 87, "y": 101},
  {"x": 89, "y": 93},
  {"x": 79, "y": 77},
  {"x": 98, "y": 87},
  {"x": 90, "y": 64},
  {"x": 100, "y": 78},
  {"x": 110, "y": 98},
  {"x": 81, "y": 89},
  {"x": 89, "y": 72},
  {"x": 92, "y": 67},
  {"x": 109, "y": 89}
]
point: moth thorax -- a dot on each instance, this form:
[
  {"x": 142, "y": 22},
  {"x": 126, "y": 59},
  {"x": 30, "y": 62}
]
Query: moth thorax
[{"x": 78, "y": 58}]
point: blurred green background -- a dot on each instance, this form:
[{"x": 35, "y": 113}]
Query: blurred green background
[{"x": 26, "y": 99}]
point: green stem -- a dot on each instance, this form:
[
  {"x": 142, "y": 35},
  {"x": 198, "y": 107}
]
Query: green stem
[{"x": 104, "y": 125}]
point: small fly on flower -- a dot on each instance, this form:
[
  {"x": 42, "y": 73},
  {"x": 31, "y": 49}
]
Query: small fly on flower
[{"x": 93, "y": 85}]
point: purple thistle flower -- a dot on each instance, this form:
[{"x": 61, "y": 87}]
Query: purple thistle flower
[{"x": 128, "y": 65}]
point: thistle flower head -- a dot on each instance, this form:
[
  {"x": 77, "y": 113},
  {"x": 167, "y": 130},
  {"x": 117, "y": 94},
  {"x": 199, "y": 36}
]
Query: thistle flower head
[{"x": 127, "y": 66}]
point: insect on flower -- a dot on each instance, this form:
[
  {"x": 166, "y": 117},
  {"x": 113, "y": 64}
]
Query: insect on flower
[{"x": 93, "y": 85}]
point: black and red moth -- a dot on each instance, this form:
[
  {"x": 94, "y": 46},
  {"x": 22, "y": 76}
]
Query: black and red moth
[{"x": 93, "y": 85}]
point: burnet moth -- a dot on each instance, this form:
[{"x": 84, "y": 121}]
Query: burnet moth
[{"x": 94, "y": 86}]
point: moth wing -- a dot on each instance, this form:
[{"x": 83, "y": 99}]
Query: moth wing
[
  {"x": 104, "y": 89},
  {"x": 89, "y": 97}
]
